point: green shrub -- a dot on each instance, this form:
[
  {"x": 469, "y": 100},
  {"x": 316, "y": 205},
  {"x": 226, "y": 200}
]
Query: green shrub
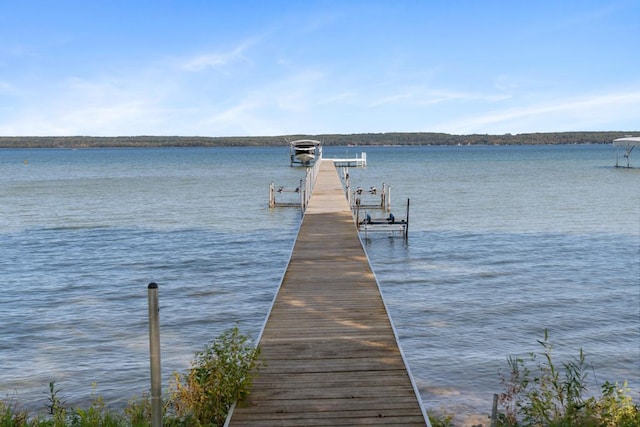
[
  {"x": 11, "y": 416},
  {"x": 553, "y": 397},
  {"x": 616, "y": 408},
  {"x": 58, "y": 415},
  {"x": 138, "y": 411},
  {"x": 220, "y": 375},
  {"x": 97, "y": 415},
  {"x": 441, "y": 419}
]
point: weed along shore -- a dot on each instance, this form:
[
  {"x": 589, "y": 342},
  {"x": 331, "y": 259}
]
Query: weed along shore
[
  {"x": 537, "y": 391},
  {"x": 220, "y": 375}
]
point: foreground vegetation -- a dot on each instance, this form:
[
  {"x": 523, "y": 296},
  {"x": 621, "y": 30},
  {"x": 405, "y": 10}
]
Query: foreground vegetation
[
  {"x": 546, "y": 395},
  {"x": 221, "y": 374},
  {"x": 391, "y": 138}
]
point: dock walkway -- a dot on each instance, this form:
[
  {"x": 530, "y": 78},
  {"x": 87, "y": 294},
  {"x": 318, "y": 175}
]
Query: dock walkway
[{"x": 330, "y": 350}]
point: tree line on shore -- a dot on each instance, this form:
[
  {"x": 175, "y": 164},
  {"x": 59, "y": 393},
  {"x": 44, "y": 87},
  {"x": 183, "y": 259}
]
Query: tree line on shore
[{"x": 359, "y": 139}]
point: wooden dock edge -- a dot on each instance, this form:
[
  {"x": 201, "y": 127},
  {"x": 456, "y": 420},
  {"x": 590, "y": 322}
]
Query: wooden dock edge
[{"x": 416, "y": 390}]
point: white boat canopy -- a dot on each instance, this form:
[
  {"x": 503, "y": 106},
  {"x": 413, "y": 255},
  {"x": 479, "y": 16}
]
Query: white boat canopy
[
  {"x": 627, "y": 142},
  {"x": 305, "y": 151},
  {"x": 305, "y": 143}
]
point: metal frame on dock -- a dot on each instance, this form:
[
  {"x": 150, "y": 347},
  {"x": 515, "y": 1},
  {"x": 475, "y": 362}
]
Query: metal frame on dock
[
  {"x": 304, "y": 189},
  {"x": 356, "y": 198},
  {"x": 389, "y": 224},
  {"x": 281, "y": 189},
  {"x": 358, "y": 161}
]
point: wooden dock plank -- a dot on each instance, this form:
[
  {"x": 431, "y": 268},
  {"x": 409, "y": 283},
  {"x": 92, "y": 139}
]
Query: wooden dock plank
[{"x": 331, "y": 355}]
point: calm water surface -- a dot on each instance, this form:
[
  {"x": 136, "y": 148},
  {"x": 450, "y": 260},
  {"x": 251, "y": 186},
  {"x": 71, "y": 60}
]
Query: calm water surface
[{"x": 505, "y": 242}]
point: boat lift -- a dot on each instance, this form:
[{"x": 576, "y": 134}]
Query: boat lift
[
  {"x": 291, "y": 201},
  {"x": 305, "y": 152},
  {"x": 627, "y": 144},
  {"x": 390, "y": 224},
  {"x": 303, "y": 190},
  {"x": 361, "y": 198}
]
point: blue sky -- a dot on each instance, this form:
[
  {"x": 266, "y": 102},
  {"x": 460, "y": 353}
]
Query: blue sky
[{"x": 254, "y": 68}]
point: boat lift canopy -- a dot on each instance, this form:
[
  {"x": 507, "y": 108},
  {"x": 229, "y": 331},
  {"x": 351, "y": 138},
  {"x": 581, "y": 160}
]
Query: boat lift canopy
[
  {"x": 305, "y": 152},
  {"x": 627, "y": 144}
]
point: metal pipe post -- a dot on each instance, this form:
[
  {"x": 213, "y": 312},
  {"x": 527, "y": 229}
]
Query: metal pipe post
[
  {"x": 388, "y": 199},
  {"x": 272, "y": 195},
  {"x": 154, "y": 352},
  {"x": 494, "y": 411},
  {"x": 406, "y": 230}
]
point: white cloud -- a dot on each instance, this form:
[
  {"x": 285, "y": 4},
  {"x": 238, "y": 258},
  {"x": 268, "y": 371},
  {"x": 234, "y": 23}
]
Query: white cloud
[
  {"x": 104, "y": 105},
  {"x": 218, "y": 59},
  {"x": 8, "y": 89},
  {"x": 585, "y": 113},
  {"x": 336, "y": 98},
  {"x": 419, "y": 97}
]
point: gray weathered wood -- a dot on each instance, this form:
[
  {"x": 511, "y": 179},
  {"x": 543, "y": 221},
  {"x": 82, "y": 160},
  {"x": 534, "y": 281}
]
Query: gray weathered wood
[{"x": 331, "y": 354}]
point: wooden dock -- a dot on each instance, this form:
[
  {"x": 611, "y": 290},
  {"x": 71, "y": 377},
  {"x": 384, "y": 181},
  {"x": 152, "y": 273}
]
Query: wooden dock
[{"x": 330, "y": 349}]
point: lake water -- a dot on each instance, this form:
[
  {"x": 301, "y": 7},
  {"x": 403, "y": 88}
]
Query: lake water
[{"x": 504, "y": 243}]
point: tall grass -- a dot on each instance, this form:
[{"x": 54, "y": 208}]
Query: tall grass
[{"x": 546, "y": 394}]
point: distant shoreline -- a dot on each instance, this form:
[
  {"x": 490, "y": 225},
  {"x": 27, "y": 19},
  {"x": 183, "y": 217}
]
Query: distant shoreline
[{"x": 361, "y": 139}]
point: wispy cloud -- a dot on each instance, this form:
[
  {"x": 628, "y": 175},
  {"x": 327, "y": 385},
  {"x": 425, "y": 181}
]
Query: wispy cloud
[
  {"x": 101, "y": 105},
  {"x": 7, "y": 88},
  {"x": 191, "y": 97},
  {"x": 272, "y": 106},
  {"x": 582, "y": 113},
  {"x": 218, "y": 59},
  {"x": 337, "y": 98},
  {"x": 420, "y": 96}
]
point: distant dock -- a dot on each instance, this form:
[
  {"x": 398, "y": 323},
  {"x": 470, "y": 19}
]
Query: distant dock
[{"x": 330, "y": 350}]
